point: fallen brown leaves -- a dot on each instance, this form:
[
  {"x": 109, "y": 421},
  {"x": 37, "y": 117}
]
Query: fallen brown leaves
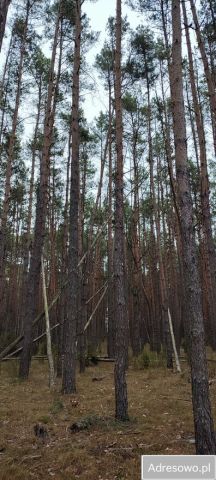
[{"x": 160, "y": 422}]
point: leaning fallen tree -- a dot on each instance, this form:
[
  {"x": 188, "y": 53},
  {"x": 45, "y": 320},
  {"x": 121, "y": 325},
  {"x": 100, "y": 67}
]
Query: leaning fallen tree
[
  {"x": 7, "y": 355},
  {"x": 39, "y": 317}
]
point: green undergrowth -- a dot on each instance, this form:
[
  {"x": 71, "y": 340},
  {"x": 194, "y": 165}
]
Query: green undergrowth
[
  {"x": 149, "y": 359},
  {"x": 103, "y": 422}
]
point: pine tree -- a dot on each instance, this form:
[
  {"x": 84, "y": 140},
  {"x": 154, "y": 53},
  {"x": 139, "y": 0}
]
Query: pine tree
[
  {"x": 204, "y": 429},
  {"x": 70, "y": 323},
  {"x": 119, "y": 251}
]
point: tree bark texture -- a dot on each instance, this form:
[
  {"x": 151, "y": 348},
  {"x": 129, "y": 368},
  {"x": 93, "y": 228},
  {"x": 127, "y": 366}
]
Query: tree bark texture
[
  {"x": 119, "y": 250},
  {"x": 204, "y": 429}
]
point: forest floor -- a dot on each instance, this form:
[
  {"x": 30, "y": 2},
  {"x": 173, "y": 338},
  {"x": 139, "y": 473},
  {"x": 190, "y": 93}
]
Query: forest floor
[{"x": 160, "y": 423}]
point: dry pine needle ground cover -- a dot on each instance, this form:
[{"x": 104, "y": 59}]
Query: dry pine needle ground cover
[{"x": 160, "y": 413}]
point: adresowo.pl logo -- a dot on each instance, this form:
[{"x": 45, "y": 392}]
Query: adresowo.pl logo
[{"x": 182, "y": 467}]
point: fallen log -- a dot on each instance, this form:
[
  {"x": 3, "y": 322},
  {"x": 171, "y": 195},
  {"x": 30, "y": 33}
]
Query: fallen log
[
  {"x": 105, "y": 359},
  {"x": 44, "y": 357}
]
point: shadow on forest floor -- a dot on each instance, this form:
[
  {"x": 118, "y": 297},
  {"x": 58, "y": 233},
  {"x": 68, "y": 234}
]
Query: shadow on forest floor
[{"x": 161, "y": 423}]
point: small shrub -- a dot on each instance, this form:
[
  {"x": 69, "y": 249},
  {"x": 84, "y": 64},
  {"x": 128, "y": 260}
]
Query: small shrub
[
  {"x": 57, "y": 406},
  {"x": 85, "y": 423},
  {"x": 93, "y": 420},
  {"x": 147, "y": 359},
  {"x": 142, "y": 361}
]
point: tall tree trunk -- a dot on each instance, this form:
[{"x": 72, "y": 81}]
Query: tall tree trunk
[
  {"x": 168, "y": 148},
  {"x": 27, "y": 236},
  {"x": 204, "y": 187},
  {"x": 163, "y": 285},
  {"x": 40, "y": 221},
  {"x": 64, "y": 259},
  {"x": 83, "y": 288},
  {"x": 70, "y": 324},
  {"x": 153, "y": 254},
  {"x": 119, "y": 250},
  {"x": 203, "y": 422},
  {"x": 111, "y": 316},
  {"x": 136, "y": 267},
  {"x": 4, "y": 5}
]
